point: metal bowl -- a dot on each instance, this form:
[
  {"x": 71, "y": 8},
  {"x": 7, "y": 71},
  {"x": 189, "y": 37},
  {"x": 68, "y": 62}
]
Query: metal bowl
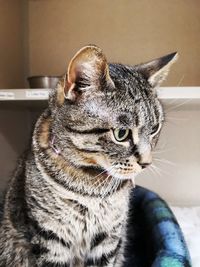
[{"x": 43, "y": 81}]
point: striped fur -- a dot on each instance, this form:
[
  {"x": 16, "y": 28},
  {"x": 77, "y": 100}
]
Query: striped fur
[{"x": 67, "y": 203}]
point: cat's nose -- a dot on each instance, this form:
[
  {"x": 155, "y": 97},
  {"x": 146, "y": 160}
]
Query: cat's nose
[{"x": 145, "y": 159}]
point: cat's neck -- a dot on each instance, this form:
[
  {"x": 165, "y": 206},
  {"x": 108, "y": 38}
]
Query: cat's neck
[{"x": 52, "y": 163}]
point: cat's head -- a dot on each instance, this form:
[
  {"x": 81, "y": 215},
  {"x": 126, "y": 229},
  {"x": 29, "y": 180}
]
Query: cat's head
[{"x": 108, "y": 116}]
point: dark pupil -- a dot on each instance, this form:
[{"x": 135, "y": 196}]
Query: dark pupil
[
  {"x": 155, "y": 128},
  {"x": 121, "y": 133}
]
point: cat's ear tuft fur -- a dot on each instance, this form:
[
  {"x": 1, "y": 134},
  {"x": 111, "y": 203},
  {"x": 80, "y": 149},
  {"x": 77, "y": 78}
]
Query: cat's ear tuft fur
[
  {"x": 88, "y": 68},
  {"x": 156, "y": 71}
]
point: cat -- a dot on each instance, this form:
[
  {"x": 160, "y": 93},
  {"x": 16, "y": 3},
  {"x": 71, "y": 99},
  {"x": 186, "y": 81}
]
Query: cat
[{"x": 67, "y": 203}]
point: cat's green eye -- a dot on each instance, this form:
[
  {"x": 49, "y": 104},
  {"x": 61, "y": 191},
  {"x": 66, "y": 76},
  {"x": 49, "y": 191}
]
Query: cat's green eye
[{"x": 121, "y": 134}]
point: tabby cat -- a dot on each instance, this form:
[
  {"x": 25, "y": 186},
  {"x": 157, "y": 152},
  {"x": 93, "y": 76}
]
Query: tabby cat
[{"x": 67, "y": 203}]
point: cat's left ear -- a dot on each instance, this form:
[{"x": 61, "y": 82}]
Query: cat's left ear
[
  {"x": 87, "y": 70},
  {"x": 156, "y": 71}
]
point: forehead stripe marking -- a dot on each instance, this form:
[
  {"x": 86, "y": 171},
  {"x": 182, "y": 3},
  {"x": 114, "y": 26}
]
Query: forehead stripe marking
[{"x": 89, "y": 131}]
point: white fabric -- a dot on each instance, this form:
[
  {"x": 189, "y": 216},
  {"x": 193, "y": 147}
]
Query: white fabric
[{"x": 189, "y": 220}]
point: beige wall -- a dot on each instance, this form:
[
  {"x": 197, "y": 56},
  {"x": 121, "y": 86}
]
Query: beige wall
[
  {"x": 129, "y": 32},
  {"x": 11, "y": 44},
  {"x": 175, "y": 173},
  {"x": 14, "y": 136}
]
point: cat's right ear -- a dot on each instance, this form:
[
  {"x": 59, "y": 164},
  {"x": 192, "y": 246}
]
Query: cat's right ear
[
  {"x": 156, "y": 71},
  {"x": 87, "y": 70}
]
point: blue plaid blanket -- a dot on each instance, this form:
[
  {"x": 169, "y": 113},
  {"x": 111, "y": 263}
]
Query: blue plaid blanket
[{"x": 154, "y": 236}]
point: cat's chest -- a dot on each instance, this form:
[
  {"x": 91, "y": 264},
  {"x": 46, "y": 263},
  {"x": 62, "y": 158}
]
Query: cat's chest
[
  {"x": 106, "y": 214},
  {"x": 79, "y": 221},
  {"x": 93, "y": 214},
  {"x": 76, "y": 221}
]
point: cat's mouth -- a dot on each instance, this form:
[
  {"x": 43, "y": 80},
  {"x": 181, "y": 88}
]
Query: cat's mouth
[
  {"x": 125, "y": 173},
  {"x": 106, "y": 170},
  {"x": 105, "y": 173}
]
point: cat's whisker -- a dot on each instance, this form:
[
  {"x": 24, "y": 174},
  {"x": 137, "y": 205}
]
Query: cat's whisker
[
  {"x": 172, "y": 123},
  {"x": 165, "y": 161},
  {"x": 119, "y": 181},
  {"x": 175, "y": 118},
  {"x": 106, "y": 170},
  {"x": 161, "y": 145},
  {"x": 101, "y": 184},
  {"x": 110, "y": 185},
  {"x": 156, "y": 169},
  {"x": 104, "y": 184},
  {"x": 99, "y": 175},
  {"x": 160, "y": 151},
  {"x": 181, "y": 80},
  {"x": 102, "y": 173},
  {"x": 161, "y": 171},
  {"x": 177, "y": 106},
  {"x": 150, "y": 168},
  {"x": 114, "y": 185},
  {"x": 153, "y": 170}
]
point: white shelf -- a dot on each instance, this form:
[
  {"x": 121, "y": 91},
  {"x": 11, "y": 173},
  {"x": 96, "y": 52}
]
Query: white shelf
[
  {"x": 179, "y": 92},
  {"x": 24, "y": 94},
  {"x": 164, "y": 93}
]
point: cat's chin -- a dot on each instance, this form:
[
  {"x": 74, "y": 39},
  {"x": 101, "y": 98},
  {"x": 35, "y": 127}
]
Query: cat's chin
[
  {"x": 129, "y": 176},
  {"x": 126, "y": 177}
]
